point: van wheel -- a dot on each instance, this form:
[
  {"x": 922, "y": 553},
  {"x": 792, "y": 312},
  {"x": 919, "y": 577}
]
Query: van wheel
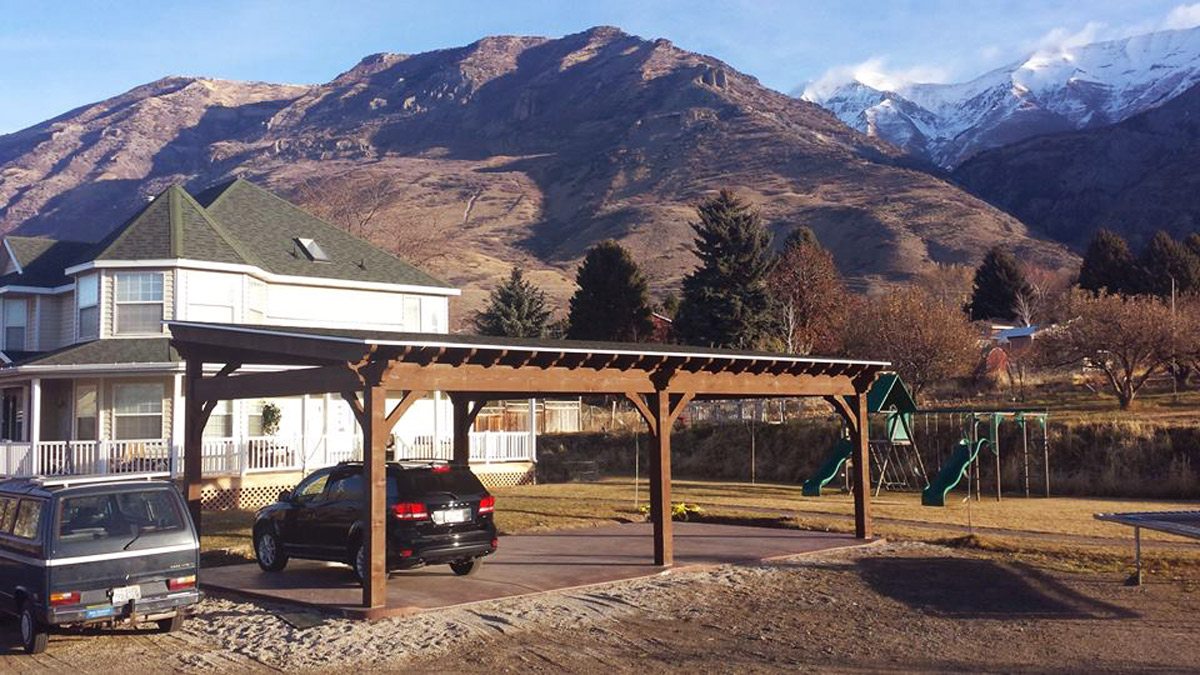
[
  {"x": 465, "y": 568},
  {"x": 269, "y": 551},
  {"x": 170, "y": 625},
  {"x": 34, "y": 633}
]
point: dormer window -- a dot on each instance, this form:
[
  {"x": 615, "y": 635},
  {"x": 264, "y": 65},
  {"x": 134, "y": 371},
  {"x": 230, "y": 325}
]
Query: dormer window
[{"x": 312, "y": 249}]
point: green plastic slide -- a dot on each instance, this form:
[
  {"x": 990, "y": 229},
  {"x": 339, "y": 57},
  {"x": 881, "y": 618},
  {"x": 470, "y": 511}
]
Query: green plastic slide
[
  {"x": 952, "y": 472},
  {"x": 829, "y": 470}
]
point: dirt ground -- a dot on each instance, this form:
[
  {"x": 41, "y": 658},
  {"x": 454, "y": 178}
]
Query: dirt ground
[{"x": 910, "y": 607}]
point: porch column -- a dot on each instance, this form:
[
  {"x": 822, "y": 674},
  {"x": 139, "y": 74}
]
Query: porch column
[
  {"x": 533, "y": 422},
  {"x": 33, "y": 424},
  {"x": 861, "y": 433},
  {"x": 375, "y": 432},
  {"x": 177, "y": 422}
]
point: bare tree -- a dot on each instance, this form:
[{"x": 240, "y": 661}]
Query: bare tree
[
  {"x": 926, "y": 340},
  {"x": 1128, "y": 339},
  {"x": 809, "y": 298},
  {"x": 949, "y": 284}
]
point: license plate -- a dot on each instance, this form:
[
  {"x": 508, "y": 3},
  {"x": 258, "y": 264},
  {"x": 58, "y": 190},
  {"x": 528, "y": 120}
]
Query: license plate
[
  {"x": 448, "y": 516},
  {"x": 97, "y": 612},
  {"x": 124, "y": 594}
]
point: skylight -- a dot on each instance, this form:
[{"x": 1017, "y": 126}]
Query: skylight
[{"x": 312, "y": 249}]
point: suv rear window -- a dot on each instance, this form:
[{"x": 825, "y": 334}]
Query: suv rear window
[
  {"x": 416, "y": 483},
  {"x": 118, "y": 515}
]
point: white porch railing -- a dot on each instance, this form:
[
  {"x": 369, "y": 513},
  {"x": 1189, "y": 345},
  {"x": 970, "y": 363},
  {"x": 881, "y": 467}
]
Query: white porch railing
[
  {"x": 486, "y": 447},
  {"x": 229, "y": 456}
]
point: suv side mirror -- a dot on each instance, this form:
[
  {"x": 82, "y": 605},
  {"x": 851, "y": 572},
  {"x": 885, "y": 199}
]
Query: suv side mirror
[{"x": 285, "y": 495}]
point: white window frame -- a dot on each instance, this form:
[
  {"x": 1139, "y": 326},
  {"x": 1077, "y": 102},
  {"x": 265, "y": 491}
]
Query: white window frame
[
  {"x": 118, "y": 303},
  {"x": 91, "y": 329},
  {"x": 80, "y": 388},
  {"x": 118, "y": 415},
  {"x": 222, "y": 412},
  {"x": 24, "y": 325}
]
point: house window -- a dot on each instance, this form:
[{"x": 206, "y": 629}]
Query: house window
[
  {"x": 85, "y": 412},
  {"x": 138, "y": 411},
  {"x": 16, "y": 315},
  {"x": 139, "y": 304},
  {"x": 254, "y": 422},
  {"x": 220, "y": 422},
  {"x": 87, "y": 290},
  {"x": 411, "y": 314}
]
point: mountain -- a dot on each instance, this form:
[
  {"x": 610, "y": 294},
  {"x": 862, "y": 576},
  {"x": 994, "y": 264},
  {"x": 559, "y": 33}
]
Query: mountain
[
  {"x": 1134, "y": 178},
  {"x": 511, "y": 150},
  {"x": 1055, "y": 90}
]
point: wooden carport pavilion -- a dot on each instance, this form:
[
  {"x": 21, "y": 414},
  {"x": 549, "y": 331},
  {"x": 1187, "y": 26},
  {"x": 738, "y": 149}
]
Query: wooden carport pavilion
[{"x": 364, "y": 366}]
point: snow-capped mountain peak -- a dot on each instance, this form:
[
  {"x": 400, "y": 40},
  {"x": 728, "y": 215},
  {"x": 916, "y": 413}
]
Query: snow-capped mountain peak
[{"x": 1058, "y": 89}]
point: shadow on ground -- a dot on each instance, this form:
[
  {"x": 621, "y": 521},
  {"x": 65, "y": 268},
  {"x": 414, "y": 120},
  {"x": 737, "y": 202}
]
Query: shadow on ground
[{"x": 981, "y": 589}]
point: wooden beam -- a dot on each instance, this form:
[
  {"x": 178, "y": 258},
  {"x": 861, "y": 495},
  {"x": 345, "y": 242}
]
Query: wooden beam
[
  {"x": 660, "y": 481},
  {"x": 644, "y": 410},
  {"x": 862, "y": 468},
  {"x": 356, "y": 407},
  {"x": 406, "y": 401},
  {"x": 844, "y": 407},
  {"x": 195, "y": 341},
  {"x": 679, "y": 402},
  {"x": 319, "y": 380},
  {"x": 374, "y": 507}
]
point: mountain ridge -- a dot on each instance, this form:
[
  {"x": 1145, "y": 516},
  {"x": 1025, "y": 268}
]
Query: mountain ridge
[{"x": 513, "y": 150}]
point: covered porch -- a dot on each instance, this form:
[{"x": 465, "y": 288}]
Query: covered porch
[{"x": 367, "y": 368}]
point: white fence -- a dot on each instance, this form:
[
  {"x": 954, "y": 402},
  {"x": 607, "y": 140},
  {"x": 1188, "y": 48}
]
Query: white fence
[
  {"x": 486, "y": 447},
  {"x": 229, "y": 456}
]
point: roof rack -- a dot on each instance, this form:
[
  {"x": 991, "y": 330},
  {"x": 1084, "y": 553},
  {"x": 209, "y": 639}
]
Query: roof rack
[{"x": 67, "y": 481}]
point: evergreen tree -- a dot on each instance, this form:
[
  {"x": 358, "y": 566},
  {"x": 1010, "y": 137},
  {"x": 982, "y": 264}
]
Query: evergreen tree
[
  {"x": 517, "y": 308},
  {"x": 612, "y": 302},
  {"x": 999, "y": 283},
  {"x": 669, "y": 305},
  {"x": 1108, "y": 265},
  {"x": 725, "y": 302},
  {"x": 1192, "y": 242},
  {"x": 1165, "y": 259}
]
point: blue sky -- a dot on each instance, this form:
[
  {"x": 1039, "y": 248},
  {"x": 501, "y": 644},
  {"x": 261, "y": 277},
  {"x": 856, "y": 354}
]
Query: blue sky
[{"x": 55, "y": 56}]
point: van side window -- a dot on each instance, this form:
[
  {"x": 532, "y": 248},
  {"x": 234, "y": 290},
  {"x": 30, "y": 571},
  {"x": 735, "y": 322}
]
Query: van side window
[
  {"x": 29, "y": 519},
  {"x": 8, "y": 513}
]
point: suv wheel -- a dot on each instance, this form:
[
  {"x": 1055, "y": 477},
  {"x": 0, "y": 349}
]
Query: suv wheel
[
  {"x": 358, "y": 561},
  {"x": 269, "y": 551},
  {"x": 34, "y": 634},
  {"x": 170, "y": 625},
  {"x": 465, "y": 568}
]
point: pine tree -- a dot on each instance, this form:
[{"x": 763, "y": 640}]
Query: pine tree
[
  {"x": 999, "y": 283},
  {"x": 1108, "y": 265},
  {"x": 612, "y": 302},
  {"x": 725, "y": 302},
  {"x": 1166, "y": 262},
  {"x": 516, "y": 308}
]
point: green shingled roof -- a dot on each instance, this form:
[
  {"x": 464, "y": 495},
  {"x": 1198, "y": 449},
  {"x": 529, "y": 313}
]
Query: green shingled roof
[
  {"x": 103, "y": 352},
  {"x": 268, "y": 226},
  {"x": 172, "y": 226},
  {"x": 43, "y": 260}
]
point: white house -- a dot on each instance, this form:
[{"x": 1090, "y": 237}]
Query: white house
[{"x": 90, "y": 383}]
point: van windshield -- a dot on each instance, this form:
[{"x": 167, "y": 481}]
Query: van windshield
[{"x": 118, "y": 517}]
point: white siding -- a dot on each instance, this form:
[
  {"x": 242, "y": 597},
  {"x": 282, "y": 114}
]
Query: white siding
[{"x": 292, "y": 305}]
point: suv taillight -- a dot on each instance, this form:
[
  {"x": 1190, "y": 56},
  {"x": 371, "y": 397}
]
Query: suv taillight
[
  {"x": 179, "y": 583},
  {"x": 410, "y": 511},
  {"x": 487, "y": 504},
  {"x": 68, "y": 598}
]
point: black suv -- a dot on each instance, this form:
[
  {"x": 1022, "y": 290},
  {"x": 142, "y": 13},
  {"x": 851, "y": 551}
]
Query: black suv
[
  {"x": 100, "y": 550},
  {"x": 437, "y": 513}
]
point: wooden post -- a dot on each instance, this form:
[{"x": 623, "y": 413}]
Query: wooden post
[
  {"x": 862, "y": 468},
  {"x": 660, "y": 481},
  {"x": 193, "y": 439},
  {"x": 462, "y": 430},
  {"x": 375, "y": 431}
]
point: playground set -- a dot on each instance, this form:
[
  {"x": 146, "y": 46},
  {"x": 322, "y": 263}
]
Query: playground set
[{"x": 897, "y": 463}]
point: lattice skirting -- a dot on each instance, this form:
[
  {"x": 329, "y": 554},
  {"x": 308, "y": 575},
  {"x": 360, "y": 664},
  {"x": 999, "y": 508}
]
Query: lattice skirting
[
  {"x": 500, "y": 479},
  {"x": 246, "y": 498},
  {"x": 258, "y": 496}
]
